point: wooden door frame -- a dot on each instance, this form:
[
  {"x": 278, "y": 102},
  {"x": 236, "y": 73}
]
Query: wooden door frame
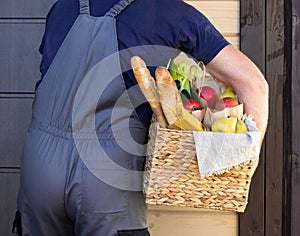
[
  {"x": 270, "y": 30},
  {"x": 252, "y": 29},
  {"x": 292, "y": 150}
]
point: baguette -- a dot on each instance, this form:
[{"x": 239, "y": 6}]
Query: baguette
[
  {"x": 148, "y": 88},
  {"x": 168, "y": 94}
]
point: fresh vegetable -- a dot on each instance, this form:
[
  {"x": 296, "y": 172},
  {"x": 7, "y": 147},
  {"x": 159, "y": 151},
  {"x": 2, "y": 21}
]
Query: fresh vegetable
[
  {"x": 191, "y": 105},
  {"x": 180, "y": 72}
]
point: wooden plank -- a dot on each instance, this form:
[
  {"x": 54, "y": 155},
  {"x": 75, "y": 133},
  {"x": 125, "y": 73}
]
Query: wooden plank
[
  {"x": 186, "y": 209},
  {"x": 223, "y": 14},
  {"x": 252, "y": 27},
  {"x": 253, "y": 30},
  {"x": 251, "y": 222},
  {"x": 295, "y": 134},
  {"x": 9, "y": 181},
  {"x": 287, "y": 122},
  {"x": 14, "y": 119},
  {"x": 177, "y": 222},
  {"x": 25, "y": 9},
  {"x": 234, "y": 40},
  {"x": 19, "y": 56},
  {"x": 275, "y": 74}
]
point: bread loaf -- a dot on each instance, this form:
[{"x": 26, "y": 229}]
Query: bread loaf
[
  {"x": 148, "y": 88},
  {"x": 168, "y": 94}
]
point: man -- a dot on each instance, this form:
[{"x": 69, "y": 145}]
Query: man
[{"x": 59, "y": 193}]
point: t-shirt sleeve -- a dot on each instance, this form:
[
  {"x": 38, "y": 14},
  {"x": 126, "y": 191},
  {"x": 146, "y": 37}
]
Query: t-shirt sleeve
[{"x": 198, "y": 37}]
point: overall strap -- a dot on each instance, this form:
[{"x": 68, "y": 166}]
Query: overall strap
[
  {"x": 118, "y": 8},
  {"x": 84, "y": 7}
]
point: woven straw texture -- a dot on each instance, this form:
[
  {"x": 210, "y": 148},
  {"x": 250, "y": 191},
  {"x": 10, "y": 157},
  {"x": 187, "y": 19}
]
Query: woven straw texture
[{"x": 172, "y": 178}]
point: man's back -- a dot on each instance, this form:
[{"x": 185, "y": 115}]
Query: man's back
[{"x": 171, "y": 23}]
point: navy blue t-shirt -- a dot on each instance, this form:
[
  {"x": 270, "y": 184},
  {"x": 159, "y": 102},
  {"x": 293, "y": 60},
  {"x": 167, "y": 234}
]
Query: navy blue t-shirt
[{"x": 171, "y": 23}]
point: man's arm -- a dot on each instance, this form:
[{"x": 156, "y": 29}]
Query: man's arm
[{"x": 236, "y": 70}]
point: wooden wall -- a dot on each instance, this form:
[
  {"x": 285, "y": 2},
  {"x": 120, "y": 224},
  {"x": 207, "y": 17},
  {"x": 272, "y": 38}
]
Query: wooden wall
[
  {"x": 165, "y": 221},
  {"x": 269, "y": 36},
  {"x": 253, "y": 44},
  {"x": 291, "y": 116},
  {"x": 224, "y": 14}
]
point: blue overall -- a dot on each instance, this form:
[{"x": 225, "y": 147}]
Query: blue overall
[{"x": 80, "y": 171}]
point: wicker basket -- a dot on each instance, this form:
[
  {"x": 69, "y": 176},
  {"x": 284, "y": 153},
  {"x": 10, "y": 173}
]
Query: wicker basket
[{"x": 172, "y": 178}]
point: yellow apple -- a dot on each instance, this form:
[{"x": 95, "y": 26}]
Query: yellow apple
[
  {"x": 228, "y": 92},
  {"x": 229, "y": 125},
  {"x": 241, "y": 127},
  {"x": 226, "y": 125}
]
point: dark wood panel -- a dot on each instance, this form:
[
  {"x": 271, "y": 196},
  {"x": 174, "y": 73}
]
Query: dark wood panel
[
  {"x": 28, "y": 8},
  {"x": 287, "y": 124},
  {"x": 251, "y": 222},
  {"x": 253, "y": 30},
  {"x": 274, "y": 156},
  {"x": 19, "y": 56},
  {"x": 295, "y": 137},
  {"x": 15, "y": 116},
  {"x": 9, "y": 184}
]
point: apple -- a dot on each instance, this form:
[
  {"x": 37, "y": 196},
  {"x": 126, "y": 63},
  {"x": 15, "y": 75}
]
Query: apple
[
  {"x": 229, "y": 124},
  {"x": 209, "y": 95},
  {"x": 226, "y": 102},
  {"x": 226, "y": 125},
  {"x": 241, "y": 126},
  {"x": 191, "y": 105}
]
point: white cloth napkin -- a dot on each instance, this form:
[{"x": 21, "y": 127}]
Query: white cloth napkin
[{"x": 218, "y": 152}]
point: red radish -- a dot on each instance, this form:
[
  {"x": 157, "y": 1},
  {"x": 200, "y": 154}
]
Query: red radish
[{"x": 191, "y": 105}]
